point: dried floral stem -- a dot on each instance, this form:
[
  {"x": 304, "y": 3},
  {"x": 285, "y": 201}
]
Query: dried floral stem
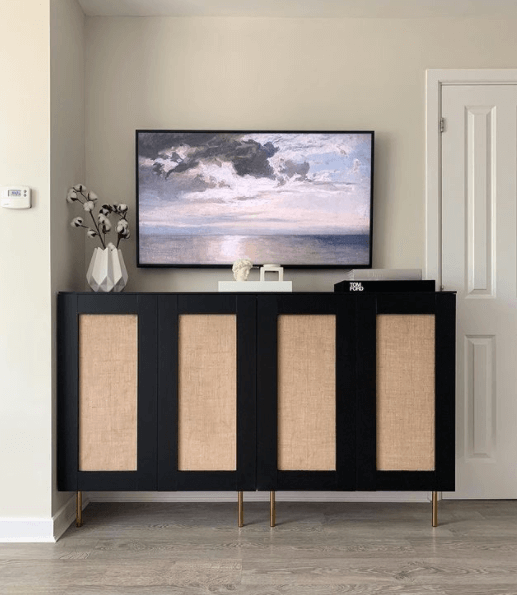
[
  {"x": 103, "y": 242},
  {"x": 102, "y": 224},
  {"x": 120, "y": 235}
]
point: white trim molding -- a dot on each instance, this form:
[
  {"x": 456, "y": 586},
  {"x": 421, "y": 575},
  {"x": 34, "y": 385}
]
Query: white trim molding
[
  {"x": 27, "y": 530},
  {"x": 39, "y": 530},
  {"x": 435, "y": 79},
  {"x": 65, "y": 516}
]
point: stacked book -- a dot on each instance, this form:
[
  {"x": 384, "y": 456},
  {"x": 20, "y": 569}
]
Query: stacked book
[{"x": 384, "y": 280}]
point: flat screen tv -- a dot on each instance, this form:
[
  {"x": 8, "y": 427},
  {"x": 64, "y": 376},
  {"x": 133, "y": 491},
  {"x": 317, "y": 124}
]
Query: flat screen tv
[{"x": 298, "y": 199}]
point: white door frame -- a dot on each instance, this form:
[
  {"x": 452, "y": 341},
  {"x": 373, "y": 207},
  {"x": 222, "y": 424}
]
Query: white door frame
[{"x": 435, "y": 79}]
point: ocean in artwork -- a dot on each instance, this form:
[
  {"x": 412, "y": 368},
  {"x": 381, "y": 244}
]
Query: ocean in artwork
[{"x": 284, "y": 250}]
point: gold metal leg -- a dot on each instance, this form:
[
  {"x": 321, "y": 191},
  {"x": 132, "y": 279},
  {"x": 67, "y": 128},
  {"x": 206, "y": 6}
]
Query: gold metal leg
[
  {"x": 272, "y": 509},
  {"x": 79, "y": 509},
  {"x": 241, "y": 509},
  {"x": 435, "y": 509}
]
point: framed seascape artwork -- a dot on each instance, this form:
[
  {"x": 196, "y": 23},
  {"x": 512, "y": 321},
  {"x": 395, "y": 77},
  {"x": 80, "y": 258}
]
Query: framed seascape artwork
[{"x": 299, "y": 199}]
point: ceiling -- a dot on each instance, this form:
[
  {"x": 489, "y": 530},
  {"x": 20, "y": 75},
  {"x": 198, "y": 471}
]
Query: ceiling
[{"x": 303, "y": 8}]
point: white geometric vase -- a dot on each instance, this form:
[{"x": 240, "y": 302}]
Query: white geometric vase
[{"x": 107, "y": 271}]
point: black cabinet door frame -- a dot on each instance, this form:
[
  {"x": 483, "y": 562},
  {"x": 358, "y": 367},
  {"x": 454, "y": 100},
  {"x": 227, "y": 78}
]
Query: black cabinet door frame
[
  {"x": 442, "y": 305},
  {"x": 170, "y": 307},
  {"x": 70, "y": 308},
  {"x": 268, "y": 475}
]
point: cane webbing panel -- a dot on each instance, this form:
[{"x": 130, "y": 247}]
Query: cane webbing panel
[
  {"x": 405, "y": 392},
  {"x": 306, "y": 392},
  {"x": 207, "y": 392},
  {"x": 108, "y": 388}
]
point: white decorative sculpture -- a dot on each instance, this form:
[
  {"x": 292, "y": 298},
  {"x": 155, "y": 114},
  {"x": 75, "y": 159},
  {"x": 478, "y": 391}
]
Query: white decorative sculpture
[
  {"x": 271, "y": 268},
  {"x": 241, "y": 269},
  {"x": 107, "y": 271}
]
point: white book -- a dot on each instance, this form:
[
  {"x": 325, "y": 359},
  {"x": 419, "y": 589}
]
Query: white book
[{"x": 383, "y": 275}]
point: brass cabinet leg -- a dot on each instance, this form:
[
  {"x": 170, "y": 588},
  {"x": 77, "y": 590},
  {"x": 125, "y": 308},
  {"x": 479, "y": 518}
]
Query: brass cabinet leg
[
  {"x": 79, "y": 509},
  {"x": 241, "y": 509},
  {"x": 435, "y": 509},
  {"x": 272, "y": 509}
]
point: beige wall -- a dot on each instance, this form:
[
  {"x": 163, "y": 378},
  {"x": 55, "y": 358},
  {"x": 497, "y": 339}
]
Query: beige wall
[
  {"x": 66, "y": 167},
  {"x": 25, "y": 321},
  {"x": 327, "y": 74},
  {"x": 42, "y": 146}
]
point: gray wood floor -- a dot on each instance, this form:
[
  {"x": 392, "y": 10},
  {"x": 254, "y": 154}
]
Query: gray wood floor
[{"x": 354, "y": 548}]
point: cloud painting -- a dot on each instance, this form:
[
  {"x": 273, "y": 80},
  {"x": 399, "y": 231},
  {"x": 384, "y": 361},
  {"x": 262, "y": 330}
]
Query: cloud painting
[{"x": 293, "y": 198}]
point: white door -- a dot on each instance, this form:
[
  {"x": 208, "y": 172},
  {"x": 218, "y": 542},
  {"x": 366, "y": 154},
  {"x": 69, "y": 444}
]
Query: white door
[{"x": 479, "y": 261}]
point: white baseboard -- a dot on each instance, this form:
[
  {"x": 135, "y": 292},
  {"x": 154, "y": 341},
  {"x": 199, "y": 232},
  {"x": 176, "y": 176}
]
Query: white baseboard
[
  {"x": 259, "y": 496},
  {"x": 65, "y": 516},
  {"x": 39, "y": 530},
  {"x": 27, "y": 530}
]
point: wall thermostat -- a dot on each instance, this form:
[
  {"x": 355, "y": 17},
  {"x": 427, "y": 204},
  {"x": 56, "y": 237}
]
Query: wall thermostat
[{"x": 15, "y": 197}]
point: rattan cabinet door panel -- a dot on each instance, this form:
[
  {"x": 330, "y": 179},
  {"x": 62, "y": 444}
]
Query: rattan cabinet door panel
[
  {"x": 405, "y": 405},
  {"x": 206, "y": 429},
  {"x": 305, "y": 392},
  {"x": 107, "y": 392}
]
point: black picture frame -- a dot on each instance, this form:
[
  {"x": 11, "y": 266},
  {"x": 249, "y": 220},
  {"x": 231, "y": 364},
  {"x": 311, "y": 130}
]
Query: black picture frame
[{"x": 320, "y": 265}]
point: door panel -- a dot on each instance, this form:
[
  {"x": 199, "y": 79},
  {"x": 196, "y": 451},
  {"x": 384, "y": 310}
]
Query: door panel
[
  {"x": 306, "y": 392},
  {"x": 207, "y": 392},
  {"x": 107, "y": 392},
  {"x": 206, "y": 430},
  {"x": 479, "y": 216},
  {"x": 306, "y": 400},
  {"x": 405, "y": 403}
]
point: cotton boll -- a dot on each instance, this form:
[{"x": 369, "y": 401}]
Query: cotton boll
[
  {"x": 105, "y": 209},
  {"x": 76, "y": 222},
  {"x": 122, "y": 225},
  {"x": 88, "y": 205},
  {"x": 92, "y": 196},
  {"x": 91, "y": 233},
  {"x": 80, "y": 188},
  {"x": 71, "y": 196},
  {"x": 122, "y": 208}
]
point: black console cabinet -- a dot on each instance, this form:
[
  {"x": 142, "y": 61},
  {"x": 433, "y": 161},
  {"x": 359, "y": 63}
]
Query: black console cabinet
[{"x": 302, "y": 391}]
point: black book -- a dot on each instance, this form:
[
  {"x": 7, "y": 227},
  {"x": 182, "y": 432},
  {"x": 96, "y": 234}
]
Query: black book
[{"x": 383, "y": 286}]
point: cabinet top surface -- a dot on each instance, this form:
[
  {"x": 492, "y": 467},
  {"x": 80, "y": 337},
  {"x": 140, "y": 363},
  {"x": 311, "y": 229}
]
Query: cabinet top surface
[{"x": 256, "y": 293}]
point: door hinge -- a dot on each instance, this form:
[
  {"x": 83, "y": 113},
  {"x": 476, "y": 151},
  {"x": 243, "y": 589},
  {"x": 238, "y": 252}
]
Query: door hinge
[{"x": 442, "y": 124}]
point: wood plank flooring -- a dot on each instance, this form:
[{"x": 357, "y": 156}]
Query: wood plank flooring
[{"x": 316, "y": 549}]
